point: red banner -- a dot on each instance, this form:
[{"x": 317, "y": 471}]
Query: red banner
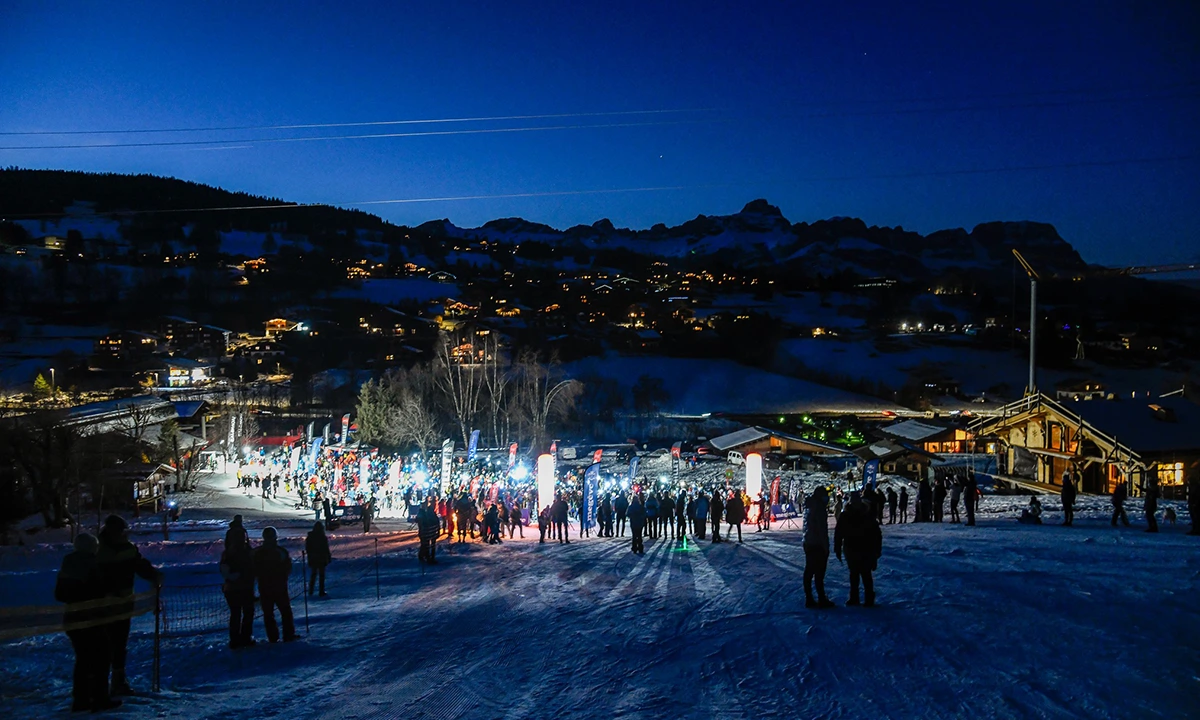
[
  {"x": 512, "y": 455},
  {"x": 775, "y": 491},
  {"x": 596, "y": 455}
]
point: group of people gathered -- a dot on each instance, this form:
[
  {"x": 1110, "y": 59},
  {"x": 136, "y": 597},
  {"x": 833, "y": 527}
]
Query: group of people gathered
[{"x": 96, "y": 583}]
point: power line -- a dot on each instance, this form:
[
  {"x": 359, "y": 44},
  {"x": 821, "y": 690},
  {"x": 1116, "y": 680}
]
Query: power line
[
  {"x": 368, "y": 123},
  {"x": 320, "y": 138}
]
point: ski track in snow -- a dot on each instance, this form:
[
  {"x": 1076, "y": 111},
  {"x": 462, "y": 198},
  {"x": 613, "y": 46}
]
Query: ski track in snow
[{"x": 1000, "y": 620}]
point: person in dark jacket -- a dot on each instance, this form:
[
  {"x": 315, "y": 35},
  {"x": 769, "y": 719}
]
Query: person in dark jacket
[
  {"x": 604, "y": 515},
  {"x": 858, "y": 535},
  {"x": 924, "y": 501},
  {"x": 119, "y": 562},
  {"x": 272, "y": 566},
  {"x": 666, "y": 514},
  {"x": 491, "y": 520},
  {"x": 319, "y": 557},
  {"x": 651, "y": 506},
  {"x": 515, "y": 522},
  {"x": 681, "y": 516},
  {"x": 621, "y": 507},
  {"x": 1119, "y": 493},
  {"x": 544, "y": 524},
  {"x": 237, "y": 571},
  {"x": 735, "y": 514},
  {"x": 939, "y": 499},
  {"x": 637, "y": 524},
  {"x": 1069, "y": 492},
  {"x": 559, "y": 514},
  {"x": 464, "y": 516},
  {"x": 80, "y": 583},
  {"x": 892, "y": 501},
  {"x": 327, "y": 507},
  {"x": 701, "y": 516},
  {"x": 716, "y": 508},
  {"x": 904, "y": 504},
  {"x": 816, "y": 548},
  {"x": 429, "y": 528},
  {"x": 971, "y": 496},
  {"x": 1150, "y": 504},
  {"x": 236, "y": 535}
]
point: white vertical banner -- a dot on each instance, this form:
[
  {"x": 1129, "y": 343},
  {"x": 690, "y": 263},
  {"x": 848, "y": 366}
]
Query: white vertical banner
[
  {"x": 545, "y": 480},
  {"x": 753, "y": 475},
  {"x": 447, "y": 457}
]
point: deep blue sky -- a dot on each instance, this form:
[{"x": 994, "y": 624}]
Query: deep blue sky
[{"x": 763, "y": 77}]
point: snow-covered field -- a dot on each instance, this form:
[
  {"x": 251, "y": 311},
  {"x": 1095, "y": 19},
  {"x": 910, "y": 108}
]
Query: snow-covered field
[{"x": 999, "y": 620}]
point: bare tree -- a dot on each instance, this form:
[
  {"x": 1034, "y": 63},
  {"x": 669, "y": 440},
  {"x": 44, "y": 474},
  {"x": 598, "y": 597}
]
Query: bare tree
[
  {"x": 543, "y": 394},
  {"x": 459, "y": 376},
  {"x": 497, "y": 377}
]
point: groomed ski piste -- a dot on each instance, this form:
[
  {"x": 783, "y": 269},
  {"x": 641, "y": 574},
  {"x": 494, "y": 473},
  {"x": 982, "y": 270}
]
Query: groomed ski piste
[{"x": 998, "y": 620}]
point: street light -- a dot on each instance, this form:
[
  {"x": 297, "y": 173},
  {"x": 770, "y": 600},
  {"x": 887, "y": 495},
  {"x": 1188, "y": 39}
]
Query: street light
[{"x": 52, "y": 385}]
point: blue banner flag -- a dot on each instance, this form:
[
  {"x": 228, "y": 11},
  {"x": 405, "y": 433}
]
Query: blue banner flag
[
  {"x": 871, "y": 473},
  {"x": 591, "y": 494},
  {"x": 633, "y": 467},
  {"x": 473, "y": 445}
]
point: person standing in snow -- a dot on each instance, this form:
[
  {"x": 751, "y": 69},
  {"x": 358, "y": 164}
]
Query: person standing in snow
[
  {"x": 651, "y": 507},
  {"x": 559, "y": 514},
  {"x": 681, "y": 515},
  {"x": 621, "y": 506},
  {"x": 544, "y": 524},
  {"x": 236, "y": 535},
  {"x": 860, "y": 537},
  {"x": 1194, "y": 504},
  {"x": 515, "y": 521},
  {"x": 892, "y": 499},
  {"x": 716, "y": 508},
  {"x": 735, "y": 514},
  {"x": 637, "y": 524},
  {"x": 119, "y": 561},
  {"x": 1150, "y": 504},
  {"x": 972, "y": 497},
  {"x": 701, "y": 515},
  {"x": 924, "y": 500},
  {"x": 237, "y": 570},
  {"x": 666, "y": 515},
  {"x": 837, "y": 506},
  {"x": 429, "y": 529},
  {"x": 1068, "y": 498},
  {"x": 816, "y": 548},
  {"x": 904, "y": 504},
  {"x": 939, "y": 500},
  {"x": 316, "y": 545},
  {"x": 79, "y": 581},
  {"x": 272, "y": 566},
  {"x": 764, "y": 511},
  {"x": 1119, "y": 494},
  {"x": 955, "y": 496}
]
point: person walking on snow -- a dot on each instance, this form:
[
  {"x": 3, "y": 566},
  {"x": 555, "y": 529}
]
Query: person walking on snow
[
  {"x": 903, "y": 504},
  {"x": 816, "y": 548},
  {"x": 1119, "y": 493},
  {"x": 273, "y": 565},
  {"x": 859, "y": 536},
  {"x": 972, "y": 497},
  {"x": 735, "y": 514},
  {"x": 955, "y": 496}
]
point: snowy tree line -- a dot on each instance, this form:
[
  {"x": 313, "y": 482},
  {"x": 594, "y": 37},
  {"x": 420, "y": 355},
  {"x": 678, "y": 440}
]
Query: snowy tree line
[{"x": 471, "y": 383}]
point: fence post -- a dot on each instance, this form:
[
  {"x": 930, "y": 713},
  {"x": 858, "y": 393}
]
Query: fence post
[
  {"x": 304, "y": 586},
  {"x": 377, "y": 597},
  {"x": 155, "y": 680}
]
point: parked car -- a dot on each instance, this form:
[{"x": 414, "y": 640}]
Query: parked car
[{"x": 735, "y": 458}]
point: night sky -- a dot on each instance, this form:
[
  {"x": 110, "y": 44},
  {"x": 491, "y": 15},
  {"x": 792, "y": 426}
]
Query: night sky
[{"x": 898, "y": 113}]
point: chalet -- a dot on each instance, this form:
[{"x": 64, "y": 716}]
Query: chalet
[
  {"x": 125, "y": 346},
  {"x": 142, "y": 485},
  {"x": 195, "y": 338},
  {"x": 182, "y": 372},
  {"x": 1107, "y": 441},
  {"x": 275, "y": 327},
  {"x": 1077, "y": 389},
  {"x": 133, "y": 416},
  {"x": 898, "y": 457},
  {"x": 930, "y": 437},
  {"x": 394, "y": 323},
  {"x": 763, "y": 440}
]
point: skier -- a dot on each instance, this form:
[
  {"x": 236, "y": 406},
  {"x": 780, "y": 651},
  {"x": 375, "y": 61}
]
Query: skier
[
  {"x": 1069, "y": 492},
  {"x": 273, "y": 565},
  {"x": 859, "y": 535},
  {"x": 892, "y": 499},
  {"x": 237, "y": 570},
  {"x": 735, "y": 514},
  {"x": 80, "y": 581},
  {"x": 816, "y": 548},
  {"x": 119, "y": 561},
  {"x": 316, "y": 544},
  {"x": 904, "y": 504},
  {"x": 716, "y": 508},
  {"x": 1118, "y": 502},
  {"x": 621, "y": 506},
  {"x": 637, "y": 523},
  {"x": 428, "y": 530}
]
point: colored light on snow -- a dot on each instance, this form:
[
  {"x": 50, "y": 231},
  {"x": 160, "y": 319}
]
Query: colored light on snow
[
  {"x": 753, "y": 474},
  {"x": 545, "y": 476}
]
